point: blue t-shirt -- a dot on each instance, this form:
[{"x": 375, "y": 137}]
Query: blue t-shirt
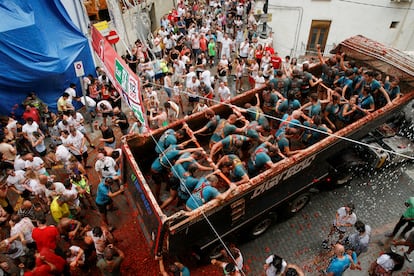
[
  {"x": 167, "y": 139},
  {"x": 282, "y": 143},
  {"x": 288, "y": 106},
  {"x": 392, "y": 92},
  {"x": 287, "y": 121},
  {"x": 238, "y": 171},
  {"x": 202, "y": 193},
  {"x": 259, "y": 158},
  {"x": 185, "y": 271},
  {"x": 212, "y": 124},
  {"x": 102, "y": 196},
  {"x": 366, "y": 101},
  {"x": 338, "y": 266},
  {"x": 165, "y": 160},
  {"x": 332, "y": 110},
  {"x": 223, "y": 130},
  {"x": 315, "y": 109}
]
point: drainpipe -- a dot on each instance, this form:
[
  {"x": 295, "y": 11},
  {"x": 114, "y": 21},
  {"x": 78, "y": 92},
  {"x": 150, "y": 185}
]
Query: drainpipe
[{"x": 298, "y": 24}]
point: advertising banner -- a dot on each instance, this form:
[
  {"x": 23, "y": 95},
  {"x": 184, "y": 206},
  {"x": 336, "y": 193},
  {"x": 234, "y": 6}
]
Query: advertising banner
[{"x": 121, "y": 76}]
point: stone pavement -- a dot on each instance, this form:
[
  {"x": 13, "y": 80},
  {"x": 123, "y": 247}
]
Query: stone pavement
[{"x": 379, "y": 199}]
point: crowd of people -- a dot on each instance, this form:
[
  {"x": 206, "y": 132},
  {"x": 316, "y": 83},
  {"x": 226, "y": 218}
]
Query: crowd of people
[{"x": 45, "y": 155}]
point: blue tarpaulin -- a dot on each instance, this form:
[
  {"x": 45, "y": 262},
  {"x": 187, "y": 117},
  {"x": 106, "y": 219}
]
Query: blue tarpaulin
[{"x": 38, "y": 46}]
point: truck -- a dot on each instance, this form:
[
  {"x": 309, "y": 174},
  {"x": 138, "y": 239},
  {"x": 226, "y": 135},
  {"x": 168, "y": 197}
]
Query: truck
[{"x": 283, "y": 189}]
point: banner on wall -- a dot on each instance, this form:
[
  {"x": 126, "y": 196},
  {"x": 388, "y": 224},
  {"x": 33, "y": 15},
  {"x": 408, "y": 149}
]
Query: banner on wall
[{"x": 119, "y": 73}]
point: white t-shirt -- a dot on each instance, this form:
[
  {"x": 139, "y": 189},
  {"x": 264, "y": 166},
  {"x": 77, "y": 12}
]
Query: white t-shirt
[
  {"x": 206, "y": 77},
  {"x": 76, "y": 142},
  {"x": 29, "y": 129},
  {"x": 344, "y": 218},
  {"x": 37, "y": 188},
  {"x": 37, "y": 161},
  {"x": 19, "y": 163},
  {"x": 106, "y": 167},
  {"x": 106, "y": 104},
  {"x": 259, "y": 81},
  {"x": 72, "y": 94},
  {"x": 189, "y": 78},
  {"x": 16, "y": 180},
  {"x": 89, "y": 101},
  {"x": 224, "y": 93},
  {"x": 62, "y": 154}
]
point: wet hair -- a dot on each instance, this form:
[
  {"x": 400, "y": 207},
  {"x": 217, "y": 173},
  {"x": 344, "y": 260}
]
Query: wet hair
[
  {"x": 277, "y": 263},
  {"x": 351, "y": 206},
  {"x": 229, "y": 268},
  {"x": 359, "y": 226},
  {"x": 291, "y": 272},
  {"x": 115, "y": 154},
  {"x": 97, "y": 231}
]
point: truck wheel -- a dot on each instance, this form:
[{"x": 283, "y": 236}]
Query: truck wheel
[
  {"x": 298, "y": 203},
  {"x": 260, "y": 227}
]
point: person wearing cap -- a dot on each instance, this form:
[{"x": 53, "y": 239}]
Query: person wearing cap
[
  {"x": 228, "y": 268},
  {"x": 104, "y": 197}
]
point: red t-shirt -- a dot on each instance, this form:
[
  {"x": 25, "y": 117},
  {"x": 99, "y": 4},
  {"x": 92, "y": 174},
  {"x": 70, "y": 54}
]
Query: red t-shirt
[
  {"x": 45, "y": 237},
  {"x": 32, "y": 113},
  {"x": 43, "y": 268},
  {"x": 276, "y": 61}
]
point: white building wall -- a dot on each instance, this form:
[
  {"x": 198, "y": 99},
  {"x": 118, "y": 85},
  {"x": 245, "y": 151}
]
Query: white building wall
[{"x": 291, "y": 22}]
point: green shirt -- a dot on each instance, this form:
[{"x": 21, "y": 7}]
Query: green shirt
[
  {"x": 212, "y": 49},
  {"x": 409, "y": 213}
]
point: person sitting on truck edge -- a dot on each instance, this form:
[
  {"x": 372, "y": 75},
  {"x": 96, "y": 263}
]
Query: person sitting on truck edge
[
  {"x": 231, "y": 144},
  {"x": 374, "y": 86},
  {"x": 205, "y": 191},
  {"x": 392, "y": 88},
  {"x": 168, "y": 138},
  {"x": 213, "y": 121},
  {"x": 227, "y": 127},
  {"x": 233, "y": 167},
  {"x": 178, "y": 170},
  {"x": 261, "y": 158}
]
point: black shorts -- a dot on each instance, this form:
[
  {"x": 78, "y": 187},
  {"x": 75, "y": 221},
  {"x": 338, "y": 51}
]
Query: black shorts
[
  {"x": 84, "y": 156},
  {"x": 193, "y": 99},
  {"x": 102, "y": 208},
  {"x": 173, "y": 183}
]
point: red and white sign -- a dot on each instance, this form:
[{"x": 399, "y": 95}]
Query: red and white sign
[
  {"x": 79, "y": 69},
  {"x": 112, "y": 37},
  {"x": 108, "y": 56}
]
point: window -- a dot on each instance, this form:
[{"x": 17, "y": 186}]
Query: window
[
  {"x": 318, "y": 35},
  {"x": 394, "y": 24}
]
